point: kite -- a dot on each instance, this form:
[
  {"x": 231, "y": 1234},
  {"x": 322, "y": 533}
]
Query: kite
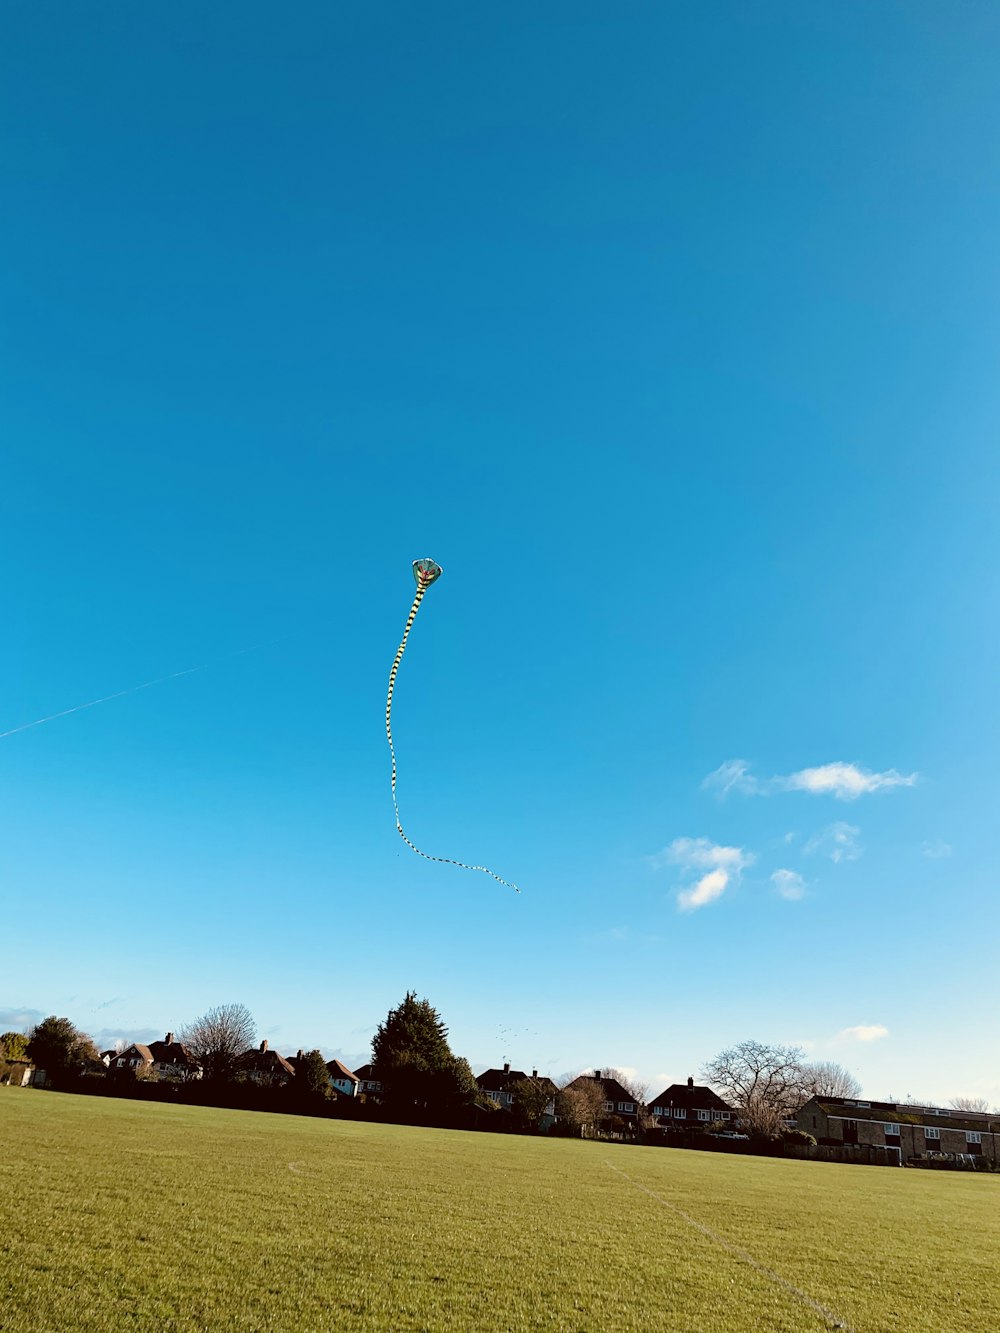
[{"x": 425, "y": 572}]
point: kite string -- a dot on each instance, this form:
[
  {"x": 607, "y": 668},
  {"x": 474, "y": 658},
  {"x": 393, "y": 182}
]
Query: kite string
[
  {"x": 443, "y": 860},
  {"x": 132, "y": 689}
]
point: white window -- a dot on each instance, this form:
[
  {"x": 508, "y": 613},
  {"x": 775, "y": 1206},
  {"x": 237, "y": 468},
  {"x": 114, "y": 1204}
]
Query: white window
[
  {"x": 680, "y": 1113},
  {"x": 626, "y": 1106},
  {"x": 724, "y": 1115},
  {"x": 657, "y": 1110},
  {"x": 891, "y": 1130},
  {"x": 704, "y": 1115},
  {"x": 931, "y": 1133},
  {"x": 609, "y": 1106},
  {"x": 493, "y": 1096},
  {"x": 973, "y": 1136}
]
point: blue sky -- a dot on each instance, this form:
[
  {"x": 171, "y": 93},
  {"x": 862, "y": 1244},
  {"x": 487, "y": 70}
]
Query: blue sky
[{"x": 672, "y": 334}]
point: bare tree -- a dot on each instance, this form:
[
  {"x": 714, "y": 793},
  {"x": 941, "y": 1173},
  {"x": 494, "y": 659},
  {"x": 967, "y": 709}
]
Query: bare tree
[
  {"x": 636, "y": 1089},
  {"x": 763, "y": 1083},
  {"x": 219, "y": 1038},
  {"x": 970, "y": 1103},
  {"x": 826, "y": 1078},
  {"x": 580, "y": 1104}
]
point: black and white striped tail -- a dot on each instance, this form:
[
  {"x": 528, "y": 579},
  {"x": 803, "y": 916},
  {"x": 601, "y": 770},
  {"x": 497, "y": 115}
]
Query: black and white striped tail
[{"x": 425, "y": 572}]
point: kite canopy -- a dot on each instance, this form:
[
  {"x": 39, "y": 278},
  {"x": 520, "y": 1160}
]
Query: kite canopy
[{"x": 425, "y": 572}]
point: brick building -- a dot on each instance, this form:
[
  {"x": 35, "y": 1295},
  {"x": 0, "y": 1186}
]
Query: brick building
[{"x": 917, "y": 1131}]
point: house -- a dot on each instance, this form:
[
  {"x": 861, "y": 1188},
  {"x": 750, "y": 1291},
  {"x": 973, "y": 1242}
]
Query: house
[
  {"x": 173, "y": 1060},
  {"x": 137, "y": 1057},
  {"x": 265, "y": 1067},
  {"x": 168, "y": 1059},
  {"x": 917, "y": 1131},
  {"x": 618, "y": 1101},
  {"x": 342, "y": 1079},
  {"x": 687, "y": 1106},
  {"x": 367, "y": 1083},
  {"x": 498, "y": 1083}
]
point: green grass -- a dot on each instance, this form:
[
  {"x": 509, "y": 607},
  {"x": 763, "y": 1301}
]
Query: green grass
[{"x": 119, "y": 1215}]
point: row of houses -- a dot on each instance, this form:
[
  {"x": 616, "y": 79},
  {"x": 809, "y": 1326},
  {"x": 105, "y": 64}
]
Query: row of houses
[
  {"x": 915, "y": 1133},
  {"x": 171, "y": 1059}
]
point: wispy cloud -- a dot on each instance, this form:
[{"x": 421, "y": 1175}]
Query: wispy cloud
[
  {"x": 19, "y": 1020},
  {"x": 838, "y": 841},
  {"x": 733, "y": 775},
  {"x": 844, "y": 781},
  {"x": 863, "y": 1032},
  {"x": 789, "y": 884},
  {"x": 723, "y": 865},
  {"x": 936, "y": 849}
]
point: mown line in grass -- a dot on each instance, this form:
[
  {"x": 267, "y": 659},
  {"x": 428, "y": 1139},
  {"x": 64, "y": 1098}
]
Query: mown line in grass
[{"x": 834, "y": 1320}]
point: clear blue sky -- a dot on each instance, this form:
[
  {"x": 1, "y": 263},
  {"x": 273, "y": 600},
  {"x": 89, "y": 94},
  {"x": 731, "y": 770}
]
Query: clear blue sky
[{"x": 672, "y": 333}]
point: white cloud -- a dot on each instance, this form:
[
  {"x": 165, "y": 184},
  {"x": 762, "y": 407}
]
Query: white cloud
[
  {"x": 844, "y": 781},
  {"x": 789, "y": 884},
  {"x": 838, "y": 841},
  {"x": 709, "y": 887},
  {"x": 863, "y": 1032},
  {"x": 722, "y": 865},
  {"x": 733, "y": 775},
  {"x": 935, "y": 849}
]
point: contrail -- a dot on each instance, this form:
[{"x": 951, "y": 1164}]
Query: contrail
[{"x": 120, "y": 694}]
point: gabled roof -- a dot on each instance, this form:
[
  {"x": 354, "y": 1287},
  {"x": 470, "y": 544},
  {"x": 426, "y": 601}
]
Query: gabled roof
[
  {"x": 171, "y": 1053},
  {"x": 364, "y": 1074},
  {"x": 266, "y": 1062},
  {"x": 137, "y": 1048},
  {"x": 339, "y": 1070},
  {"x": 612, "y": 1089},
  {"x": 502, "y": 1080},
  {"x": 691, "y": 1098}
]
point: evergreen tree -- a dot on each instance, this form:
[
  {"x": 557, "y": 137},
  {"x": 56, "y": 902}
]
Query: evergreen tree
[
  {"x": 312, "y": 1078},
  {"x": 412, "y": 1058}
]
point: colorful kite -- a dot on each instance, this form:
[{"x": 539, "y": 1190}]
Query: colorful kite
[{"x": 425, "y": 572}]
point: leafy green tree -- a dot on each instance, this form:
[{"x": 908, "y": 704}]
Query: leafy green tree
[
  {"x": 529, "y": 1099},
  {"x": 59, "y": 1048},
  {"x": 412, "y": 1058},
  {"x": 13, "y": 1046},
  {"x": 312, "y": 1078}
]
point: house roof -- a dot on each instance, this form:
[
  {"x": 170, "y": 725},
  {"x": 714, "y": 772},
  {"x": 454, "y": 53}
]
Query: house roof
[
  {"x": 143, "y": 1052},
  {"x": 939, "y": 1117},
  {"x": 339, "y": 1070},
  {"x": 502, "y": 1080},
  {"x": 171, "y": 1053},
  {"x": 266, "y": 1062},
  {"x": 364, "y": 1074},
  {"x": 691, "y": 1098},
  {"x": 613, "y": 1090}
]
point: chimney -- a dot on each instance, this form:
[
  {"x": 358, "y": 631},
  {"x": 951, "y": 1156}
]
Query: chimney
[
  {"x": 169, "y": 1039},
  {"x": 534, "y": 1073},
  {"x": 263, "y": 1045},
  {"x": 690, "y": 1081},
  {"x": 299, "y": 1054},
  {"x": 506, "y": 1067}
]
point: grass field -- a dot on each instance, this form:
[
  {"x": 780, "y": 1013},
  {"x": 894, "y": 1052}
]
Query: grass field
[{"x": 118, "y": 1215}]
